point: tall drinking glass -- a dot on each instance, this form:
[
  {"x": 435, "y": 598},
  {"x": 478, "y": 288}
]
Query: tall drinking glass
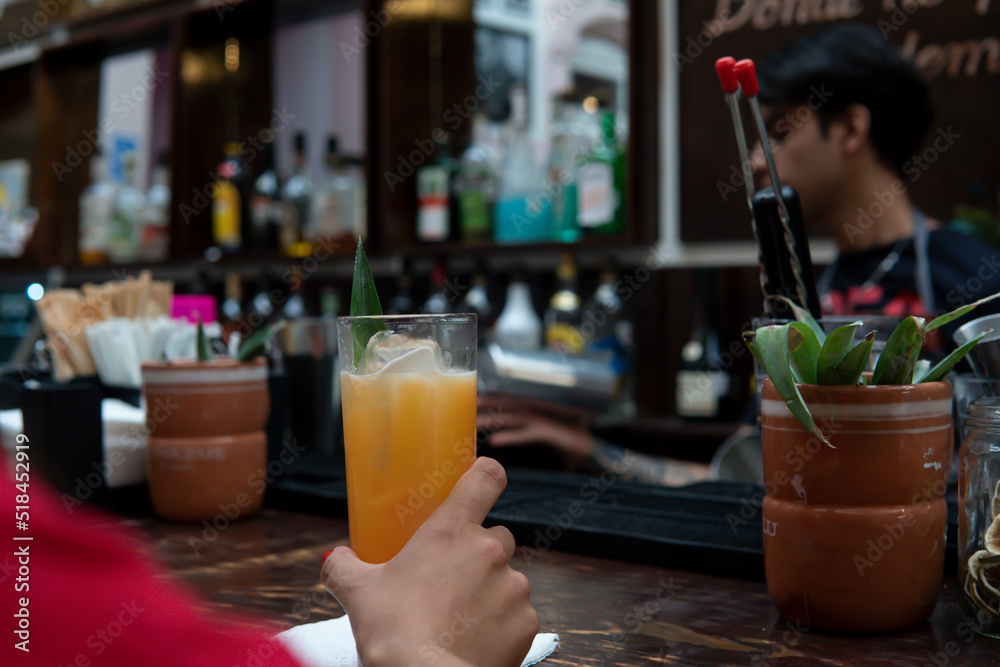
[{"x": 409, "y": 403}]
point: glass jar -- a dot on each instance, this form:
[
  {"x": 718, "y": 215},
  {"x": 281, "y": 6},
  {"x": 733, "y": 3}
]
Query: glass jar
[{"x": 979, "y": 517}]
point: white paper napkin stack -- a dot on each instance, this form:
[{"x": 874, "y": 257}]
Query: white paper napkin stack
[{"x": 331, "y": 644}]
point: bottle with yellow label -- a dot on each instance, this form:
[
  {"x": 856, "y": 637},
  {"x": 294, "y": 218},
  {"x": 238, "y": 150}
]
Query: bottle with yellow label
[
  {"x": 563, "y": 316},
  {"x": 227, "y": 205}
]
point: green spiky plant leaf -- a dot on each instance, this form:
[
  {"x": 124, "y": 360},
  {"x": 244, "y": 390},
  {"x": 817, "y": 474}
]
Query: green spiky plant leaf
[
  {"x": 850, "y": 370},
  {"x": 801, "y": 352},
  {"x": 803, "y": 348},
  {"x": 942, "y": 367},
  {"x": 958, "y": 312},
  {"x": 802, "y": 315},
  {"x": 899, "y": 356},
  {"x": 837, "y": 345},
  {"x": 256, "y": 345},
  {"x": 202, "y": 348},
  {"x": 770, "y": 347},
  {"x": 364, "y": 301}
]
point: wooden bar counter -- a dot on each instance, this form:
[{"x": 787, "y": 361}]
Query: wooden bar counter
[{"x": 606, "y": 612}]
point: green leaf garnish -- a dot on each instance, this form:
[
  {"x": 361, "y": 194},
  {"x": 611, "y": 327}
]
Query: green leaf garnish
[
  {"x": 364, "y": 301},
  {"x": 899, "y": 356},
  {"x": 255, "y": 345}
]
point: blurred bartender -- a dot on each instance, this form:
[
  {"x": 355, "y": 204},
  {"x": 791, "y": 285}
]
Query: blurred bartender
[{"x": 846, "y": 114}]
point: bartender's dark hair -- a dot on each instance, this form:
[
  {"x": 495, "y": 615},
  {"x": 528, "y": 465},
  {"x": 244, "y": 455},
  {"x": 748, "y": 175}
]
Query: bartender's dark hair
[{"x": 855, "y": 65}]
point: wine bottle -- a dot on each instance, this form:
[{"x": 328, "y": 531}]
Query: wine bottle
[
  {"x": 297, "y": 196},
  {"x": 434, "y": 191},
  {"x": 563, "y": 316},
  {"x": 703, "y": 383},
  {"x": 438, "y": 302},
  {"x": 96, "y": 205}
]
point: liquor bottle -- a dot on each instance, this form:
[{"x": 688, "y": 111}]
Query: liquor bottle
[
  {"x": 523, "y": 214},
  {"x": 261, "y": 306},
  {"x": 228, "y": 204},
  {"x": 96, "y": 205},
  {"x": 329, "y": 302},
  {"x": 294, "y": 306},
  {"x": 265, "y": 204},
  {"x": 477, "y": 301},
  {"x": 599, "y": 198},
  {"x": 402, "y": 302},
  {"x": 297, "y": 196},
  {"x": 434, "y": 189},
  {"x": 621, "y": 166},
  {"x": 126, "y": 218},
  {"x": 339, "y": 201},
  {"x": 563, "y": 316},
  {"x": 608, "y": 337},
  {"x": 477, "y": 186},
  {"x": 602, "y": 312},
  {"x": 562, "y": 174},
  {"x": 703, "y": 383},
  {"x": 438, "y": 302},
  {"x": 518, "y": 328},
  {"x": 232, "y": 305},
  {"x": 155, "y": 244}
]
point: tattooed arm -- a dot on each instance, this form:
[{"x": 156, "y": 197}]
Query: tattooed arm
[
  {"x": 647, "y": 469},
  {"x": 511, "y": 422}
]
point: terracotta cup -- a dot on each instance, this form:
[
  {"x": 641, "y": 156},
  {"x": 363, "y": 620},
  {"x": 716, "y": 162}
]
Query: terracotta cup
[
  {"x": 207, "y": 450},
  {"x": 854, "y": 536}
]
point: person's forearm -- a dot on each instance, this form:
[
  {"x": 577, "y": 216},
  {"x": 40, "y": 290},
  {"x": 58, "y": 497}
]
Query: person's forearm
[{"x": 646, "y": 469}]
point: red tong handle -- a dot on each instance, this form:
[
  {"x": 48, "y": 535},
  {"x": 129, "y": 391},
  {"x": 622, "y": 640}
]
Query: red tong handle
[
  {"x": 747, "y": 76},
  {"x": 724, "y": 68}
]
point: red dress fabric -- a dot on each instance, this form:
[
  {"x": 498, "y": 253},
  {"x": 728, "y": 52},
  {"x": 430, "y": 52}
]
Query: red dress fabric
[{"x": 93, "y": 598}]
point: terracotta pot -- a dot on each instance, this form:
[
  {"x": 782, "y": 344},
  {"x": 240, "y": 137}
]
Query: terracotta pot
[
  {"x": 207, "y": 450},
  {"x": 854, "y": 537}
]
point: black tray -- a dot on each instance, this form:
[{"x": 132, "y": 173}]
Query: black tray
[{"x": 712, "y": 527}]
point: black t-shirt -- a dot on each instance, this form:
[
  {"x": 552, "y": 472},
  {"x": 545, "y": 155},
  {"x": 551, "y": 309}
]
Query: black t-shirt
[{"x": 963, "y": 269}]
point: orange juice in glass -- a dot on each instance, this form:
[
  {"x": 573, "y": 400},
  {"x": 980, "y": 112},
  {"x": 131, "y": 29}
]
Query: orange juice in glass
[{"x": 409, "y": 404}]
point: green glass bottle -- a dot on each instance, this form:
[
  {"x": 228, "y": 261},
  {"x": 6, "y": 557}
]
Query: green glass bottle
[{"x": 600, "y": 184}]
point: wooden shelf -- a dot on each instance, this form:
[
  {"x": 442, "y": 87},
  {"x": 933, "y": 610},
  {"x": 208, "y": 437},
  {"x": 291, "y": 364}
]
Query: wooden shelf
[{"x": 62, "y": 103}]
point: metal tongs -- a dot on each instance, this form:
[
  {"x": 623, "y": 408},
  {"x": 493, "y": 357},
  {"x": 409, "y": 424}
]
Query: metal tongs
[{"x": 776, "y": 213}]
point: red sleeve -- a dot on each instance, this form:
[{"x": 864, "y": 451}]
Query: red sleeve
[{"x": 92, "y": 597}]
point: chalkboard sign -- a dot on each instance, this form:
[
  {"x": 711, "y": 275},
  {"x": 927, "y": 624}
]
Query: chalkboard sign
[{"x": 956, "y": 44}]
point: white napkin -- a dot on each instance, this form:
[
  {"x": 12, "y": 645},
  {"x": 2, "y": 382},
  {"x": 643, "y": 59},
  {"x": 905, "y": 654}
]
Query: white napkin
[
  {"x": 119, "y": 346},
  {"x": 331, "y": 644},
  {"x": 124, "y": 443}
]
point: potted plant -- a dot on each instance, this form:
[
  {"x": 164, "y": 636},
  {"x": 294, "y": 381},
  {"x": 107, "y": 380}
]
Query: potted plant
[
  {"x": 855, "y": 469},
  {"x": 207, "y": 450}
]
